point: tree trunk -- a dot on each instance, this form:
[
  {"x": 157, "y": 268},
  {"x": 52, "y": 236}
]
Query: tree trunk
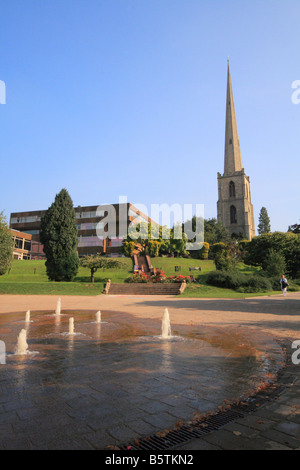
[{"x": 93, "y": 270}]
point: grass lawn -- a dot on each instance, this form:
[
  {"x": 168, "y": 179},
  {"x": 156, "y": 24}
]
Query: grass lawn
[
  {"x": 202, "y": 289},
  {"x": 29, "y": 277},
  {"x": 210, "y": 292}
]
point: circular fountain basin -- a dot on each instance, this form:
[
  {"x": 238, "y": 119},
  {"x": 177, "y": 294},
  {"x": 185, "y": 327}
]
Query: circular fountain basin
[{"x": 119, "y": 379}]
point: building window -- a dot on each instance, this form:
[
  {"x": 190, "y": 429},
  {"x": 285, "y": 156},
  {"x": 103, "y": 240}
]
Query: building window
[
  {"x": 25, "y": 220},
  {"x": 27, "y": 245},
  {"x": 231, "y": 189},
  {"x": 89, "y": 241},
  {"x": 233, "y": 216},
  {"x": 32, "y": 232},
  {"x": 86, "y": 215},
  {"x": 117, "y": 242}
]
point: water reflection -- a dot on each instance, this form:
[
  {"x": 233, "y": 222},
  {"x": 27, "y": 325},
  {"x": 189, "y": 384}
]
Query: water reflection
[
  {"x": 98, "y": 331},
  {"x": 70, "y": 344},
  {"x": 166, "y": 357}
]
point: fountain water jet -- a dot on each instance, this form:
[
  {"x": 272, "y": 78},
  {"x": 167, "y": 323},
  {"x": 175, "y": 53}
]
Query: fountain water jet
[
  {"x": 98, "y": 317},
  {"x": 27, "y": 317},
  {"x": 166, "y": 325},
  {"x": 58, "y": 307},
  {"x": 71, "y": 326},
  {"x": 22, "y": 346}
]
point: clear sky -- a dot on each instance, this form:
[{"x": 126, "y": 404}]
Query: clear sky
[{"x": 112, "y": 98}]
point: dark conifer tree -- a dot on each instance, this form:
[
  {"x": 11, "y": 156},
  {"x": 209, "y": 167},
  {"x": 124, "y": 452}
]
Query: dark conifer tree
[
  {"x": 6, "y": 245},
  {"x": 264, "y": 225},
  {"x": 60, "y": 238}
]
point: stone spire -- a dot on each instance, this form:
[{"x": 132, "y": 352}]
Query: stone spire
[{"x": 233, "y": 158}]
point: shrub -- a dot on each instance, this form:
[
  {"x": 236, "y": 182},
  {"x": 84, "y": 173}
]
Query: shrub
[
  {"x": 153, "y": 248},
  {"x": 287, "y": 244},
  {"x": 243, "y": 247},
  {"x": 223, "y": 256},
  {"x": 292, "y": 287},
  {"x": 275, "y": 264},
  {"x": 255, "y": 284},
  {"x": 203, "y": 254},
  {"x": 226, "y": 279},
  {"x": 128, "y": 248},
  {"x": 239, "y": 282}
]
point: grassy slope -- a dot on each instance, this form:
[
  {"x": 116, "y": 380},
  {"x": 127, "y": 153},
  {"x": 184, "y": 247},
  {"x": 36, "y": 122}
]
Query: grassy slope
[
  {"x": 202, "y": 290},
  {"x": 29, "y": 277}
]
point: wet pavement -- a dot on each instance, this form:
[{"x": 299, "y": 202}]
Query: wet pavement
[{"x": 118, "y": 382}]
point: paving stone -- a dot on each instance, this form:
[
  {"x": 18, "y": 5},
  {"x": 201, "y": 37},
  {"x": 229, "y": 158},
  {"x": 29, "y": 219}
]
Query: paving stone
[
  {"x": 273, "y": 445},
  {"x": 281, "y": 438},
  {"x": 122, "y": 433},
  {"x": 290, "y": 428},
  {"x": 254, "y": 421},
  {"x": 161, "y": 421}
]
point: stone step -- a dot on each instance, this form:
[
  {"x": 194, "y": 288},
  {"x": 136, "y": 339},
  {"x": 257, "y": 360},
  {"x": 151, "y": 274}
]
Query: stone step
[{"x": 144, "y": 289}]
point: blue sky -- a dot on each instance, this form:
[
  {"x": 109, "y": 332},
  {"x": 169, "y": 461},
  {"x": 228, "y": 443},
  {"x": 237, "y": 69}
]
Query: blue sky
[{"x": 112, "y": 98}]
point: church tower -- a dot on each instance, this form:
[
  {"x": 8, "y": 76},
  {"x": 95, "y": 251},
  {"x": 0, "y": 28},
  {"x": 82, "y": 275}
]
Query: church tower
[{"x": 235, "y": 210}]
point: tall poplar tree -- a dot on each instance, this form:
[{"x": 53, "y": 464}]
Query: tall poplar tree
[
  {"x": 6, "y": 245},
  {"x": 264, "y": 225},
  {"x": 60, "y": 238}
]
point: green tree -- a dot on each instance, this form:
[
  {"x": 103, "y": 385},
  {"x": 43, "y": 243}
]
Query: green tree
[
  {"x": 208, "y": 230},
  {"x": 6, "y": 245},
  {"x": 128, "y": 248},
  {"x": 178, "y": 245},
  {"x": 264, "y": 225},
  {"x": 153, "y": 248},
  {"x": 139, "y": 237},
  {"x": 294, "y": 228},
  {"x": 224, "y": 255},
  {"x": 60, "y": 238},
  {"x": 203, "y": 253},
  {"x": 293, "y": 258},
  {"x": 275, "y": 264},
  {"x": 214, "y": 232},
  {"x": 285, "y": 243},
  {"x": 95, "y": 262}
]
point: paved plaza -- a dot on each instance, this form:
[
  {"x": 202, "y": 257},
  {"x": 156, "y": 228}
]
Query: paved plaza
[{"x": 115, "y": 383}]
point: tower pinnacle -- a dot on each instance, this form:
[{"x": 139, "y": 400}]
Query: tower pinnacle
[{"x": 233, "y": 158}]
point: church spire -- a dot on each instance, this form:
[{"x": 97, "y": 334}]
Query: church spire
[{"x": 233, "y": 158}]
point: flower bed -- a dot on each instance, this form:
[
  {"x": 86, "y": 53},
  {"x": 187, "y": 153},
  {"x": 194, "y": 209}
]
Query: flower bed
[
  {"x": 158, "y": 277},
  {"x": 138, "y": 278}
]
